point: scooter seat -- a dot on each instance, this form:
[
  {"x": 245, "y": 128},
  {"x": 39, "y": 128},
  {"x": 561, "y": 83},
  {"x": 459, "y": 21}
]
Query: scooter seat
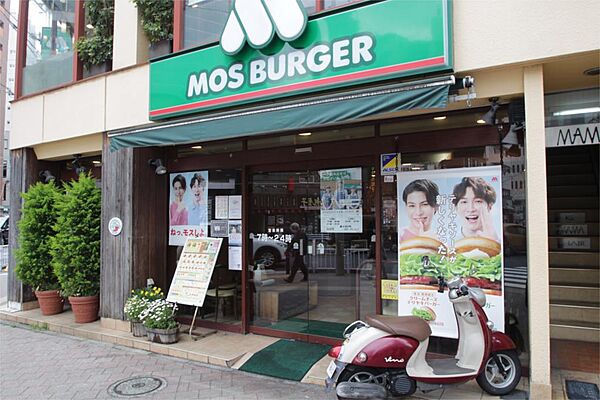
[{"x": 410, "y": 326}]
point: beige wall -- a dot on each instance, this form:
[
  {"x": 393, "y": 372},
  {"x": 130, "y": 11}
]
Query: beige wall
[{"x": 493, "y": 40}]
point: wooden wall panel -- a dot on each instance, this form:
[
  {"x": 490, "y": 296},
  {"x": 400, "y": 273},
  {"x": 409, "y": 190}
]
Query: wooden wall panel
[
  {"x": 24, "y": 172},
  {"x": 116, "y": 251},
  {"x": 150, "y": 219}
]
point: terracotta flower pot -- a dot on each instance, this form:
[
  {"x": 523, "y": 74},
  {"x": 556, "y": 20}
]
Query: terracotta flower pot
[
  {"x": 85, "y": 308},
  {"x": 164, "y": 336},
  {"x": 138, "y": 329},
  {"x": 50, "y": 301}
]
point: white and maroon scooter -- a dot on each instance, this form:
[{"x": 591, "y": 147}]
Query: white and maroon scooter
[{"x": 386, "y": 354}]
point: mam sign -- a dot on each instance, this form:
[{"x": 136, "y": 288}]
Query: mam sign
[{"x": 270, "y": 49}]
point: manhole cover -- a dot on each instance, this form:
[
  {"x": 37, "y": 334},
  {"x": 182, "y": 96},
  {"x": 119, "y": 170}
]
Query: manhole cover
[{"x": 137, "y": 386}]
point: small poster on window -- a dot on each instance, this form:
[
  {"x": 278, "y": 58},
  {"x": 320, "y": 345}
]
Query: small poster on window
[
  {"x": 221, "y": 207},
  {"x": 235, "y": 258},
  {"x": 188, "y": 211},
  {"x": 235, "y": 207},
  {"x": 341, "y": 200},
  {"x": 235, "y": 233}
]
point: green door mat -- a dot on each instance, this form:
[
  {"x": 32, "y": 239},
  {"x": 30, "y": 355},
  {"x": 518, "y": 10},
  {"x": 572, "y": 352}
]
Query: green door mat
[
  {"x": 286, "y": 359},
  {"x": 321, "y": 328}
]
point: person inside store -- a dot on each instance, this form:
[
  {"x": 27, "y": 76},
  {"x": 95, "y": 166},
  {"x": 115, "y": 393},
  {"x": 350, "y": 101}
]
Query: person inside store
[
  {"x": 420, "y": 200},
  {"x": 339, "y": 196},
  {"x": 474, "y": 199},
  {"x": 199, "y": 210},
  {"x": 298, "y": 247},
  {"x": 178, "y": 212}
]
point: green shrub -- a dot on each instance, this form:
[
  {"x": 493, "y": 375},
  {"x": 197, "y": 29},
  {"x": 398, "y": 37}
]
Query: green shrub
[
  {"x": 157, "y": 19},
  {"x": 34, "y": 261},
  {"x": 96, "y": 47},
  {"x": 76, "y": 247}
]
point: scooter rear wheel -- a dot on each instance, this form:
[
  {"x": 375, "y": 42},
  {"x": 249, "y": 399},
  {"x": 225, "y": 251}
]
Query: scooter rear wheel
[{"x": 496, "y": 383}]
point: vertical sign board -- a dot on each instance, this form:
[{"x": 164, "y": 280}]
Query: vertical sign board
[
  {"x": 194, "y": 271},
  {"x": 449, "y": 224},
  {"x": 372, "y": 41}
]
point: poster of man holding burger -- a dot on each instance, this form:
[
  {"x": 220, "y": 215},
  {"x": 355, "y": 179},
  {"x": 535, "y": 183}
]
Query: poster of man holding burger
[{"x": 449, "y": 225}]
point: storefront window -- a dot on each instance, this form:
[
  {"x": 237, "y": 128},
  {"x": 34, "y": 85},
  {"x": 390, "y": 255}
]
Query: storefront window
[
  {"x": 491, "y": 206},
  {"x": 223, "y": 302},
  {"x": 49, "y": 57},
  {"x": 313, "y": 249}
]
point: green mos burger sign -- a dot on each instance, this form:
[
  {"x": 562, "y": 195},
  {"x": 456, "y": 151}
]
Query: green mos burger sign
[{"x": 269, "y": 49}]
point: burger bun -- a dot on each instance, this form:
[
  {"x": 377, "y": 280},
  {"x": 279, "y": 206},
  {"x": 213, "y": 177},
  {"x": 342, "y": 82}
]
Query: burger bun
[
  {"x": 476, "y": 243},
  {"x": 420, "y": 245}
]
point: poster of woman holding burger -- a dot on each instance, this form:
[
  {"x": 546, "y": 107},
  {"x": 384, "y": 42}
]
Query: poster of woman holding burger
[{"x": 449, "y": 225}]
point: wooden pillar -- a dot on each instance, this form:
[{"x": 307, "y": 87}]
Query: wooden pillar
[
  {"x": 132, "y": 192},
  {"x": 24, "y": 172}
]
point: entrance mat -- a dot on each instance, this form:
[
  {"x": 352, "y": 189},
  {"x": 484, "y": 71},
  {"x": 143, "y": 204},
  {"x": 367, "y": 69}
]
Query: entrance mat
[
  {"x": 320, "y": 328},
  {"x": 578, "y": 390},
  {"x": 286, "y": 359}
]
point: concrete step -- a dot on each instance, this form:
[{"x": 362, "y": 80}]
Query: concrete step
[
  {"x": 585, "y": 229},
  {"x": 571, "y": 179},
  {"x": 574, "y": 294},
  {"x": 572, "y": 190},
  {"x": 573, "y": 216},
  {"x": 568, "y": 169},
  {"x": 574, "y": 259},
  {"x": 555, "y": 203},
  {"x": 574, "y": 276},
  {"x": 572, "y": 330},
  {"x": 573, "y": 243},
  {"x": 577, "y": 313}
]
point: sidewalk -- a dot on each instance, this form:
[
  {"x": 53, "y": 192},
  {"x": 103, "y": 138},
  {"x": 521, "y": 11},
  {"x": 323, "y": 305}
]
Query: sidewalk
[{"x": 232, "y": 350}]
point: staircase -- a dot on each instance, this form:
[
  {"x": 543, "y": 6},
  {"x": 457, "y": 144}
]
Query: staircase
[{"x": 573, "y": 243}]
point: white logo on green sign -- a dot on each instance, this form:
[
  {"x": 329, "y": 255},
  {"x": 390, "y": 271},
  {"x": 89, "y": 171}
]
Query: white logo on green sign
[{"x": 256, "y": 21}]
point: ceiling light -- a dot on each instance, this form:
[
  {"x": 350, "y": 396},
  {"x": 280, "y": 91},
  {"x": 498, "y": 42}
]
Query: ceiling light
[
  {"x": 46, "y": 176},
  {"x": 96, "y": 162},
  {"x": 89, "y": 26},
  {"x": 305, "y": 134},
  {"x": 440, "y": 118},
  {"x": 480, "y": 121},
  {"x": 159, "y": 167},
  {"x": 196, "y": 147},
  {"x": 489, "y": 118},
  {"x": 576, "y": 111}
]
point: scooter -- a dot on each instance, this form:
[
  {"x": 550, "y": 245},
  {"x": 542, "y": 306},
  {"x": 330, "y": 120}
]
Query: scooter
[{"x": 385, "y": 355}]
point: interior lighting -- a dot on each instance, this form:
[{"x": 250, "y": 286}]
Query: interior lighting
[
  {"x": 576, "y": 111},
  {"x": 440, "y": 118},
  {"x": 305, "y": 134},
  {"x": 197, "y": 147}
]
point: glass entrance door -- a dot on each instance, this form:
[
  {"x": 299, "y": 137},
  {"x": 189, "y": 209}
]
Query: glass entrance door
[{"x": 312, "y": 235}]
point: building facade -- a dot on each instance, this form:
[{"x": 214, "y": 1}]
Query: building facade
[{"x": 299, "y": 148}]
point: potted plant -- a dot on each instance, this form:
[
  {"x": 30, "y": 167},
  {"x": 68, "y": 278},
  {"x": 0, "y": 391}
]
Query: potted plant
[
  {"x": 159, "y": 321},
  {"x": 76, "y": 246},
  {"x": 95, "y": 48},
  {"x": 33, "y": 259},
  {"x": 139, "y": 301},
  {"x": 157, "y": 22}
]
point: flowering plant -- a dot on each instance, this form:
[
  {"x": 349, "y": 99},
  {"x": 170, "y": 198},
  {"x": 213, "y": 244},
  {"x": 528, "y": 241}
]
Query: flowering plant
[
  {"x": 140, "y": 300},
  {"x": 159, "y": 315}
]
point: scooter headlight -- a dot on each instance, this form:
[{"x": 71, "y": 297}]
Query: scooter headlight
[{"x": 362, "y": 357}]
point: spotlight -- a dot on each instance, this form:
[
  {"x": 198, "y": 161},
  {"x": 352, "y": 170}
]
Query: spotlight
[
  {"x": 489, "y": 118},
  {"x": 511, "y": 136},
  {"x": 46, "y": 176},
  {"x": 76, "y": 164},
  {"x": 159, "y": 168}
]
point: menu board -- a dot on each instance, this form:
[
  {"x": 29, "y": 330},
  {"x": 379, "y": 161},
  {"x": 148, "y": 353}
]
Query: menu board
[{"x": 194, "y": 270}]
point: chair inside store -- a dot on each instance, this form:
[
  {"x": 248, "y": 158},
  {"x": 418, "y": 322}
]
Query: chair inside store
[{"x": 223, "y": 293}]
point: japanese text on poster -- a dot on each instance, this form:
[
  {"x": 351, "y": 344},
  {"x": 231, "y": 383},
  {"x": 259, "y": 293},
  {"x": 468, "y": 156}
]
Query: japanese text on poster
[
  {"x": 341, "y": 200},
  {"x": 188, "y": 211},
  {"x": 194, "y": 270},
  {"x": 449, "y": 224}
]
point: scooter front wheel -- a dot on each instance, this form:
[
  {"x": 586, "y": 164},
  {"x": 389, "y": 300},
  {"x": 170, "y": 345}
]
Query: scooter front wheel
[{"x": 501, "y": 373}]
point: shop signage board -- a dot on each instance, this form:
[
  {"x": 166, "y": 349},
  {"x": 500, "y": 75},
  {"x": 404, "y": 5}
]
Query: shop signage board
[
  {"x": 450, "y": 224},
  {"x": 372, "y": 41},
  {"x": 573, "y": 135},
  {"x": 341, "y": 200},
  {"x": 194, "y": 271},
  {"x": 188, "y": 206}
]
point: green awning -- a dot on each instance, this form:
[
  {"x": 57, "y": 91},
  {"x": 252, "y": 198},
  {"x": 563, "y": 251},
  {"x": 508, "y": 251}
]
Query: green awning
[{"x": 289, "y": 116}]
